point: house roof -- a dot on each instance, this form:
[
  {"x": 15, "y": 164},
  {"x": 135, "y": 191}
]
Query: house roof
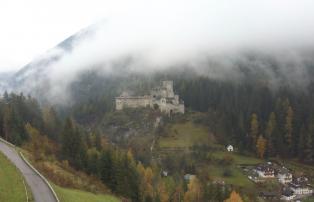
[
  {"x": 287, "y": 192},
  {"x": 268, "y": 194},
  {"x": 297, "y": 185},
  {"x": 265, "y": 168},
  {"x": 284, "y": 171}
]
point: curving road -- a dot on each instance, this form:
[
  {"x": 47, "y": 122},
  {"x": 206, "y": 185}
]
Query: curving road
[{"x": 40, "y": 190}]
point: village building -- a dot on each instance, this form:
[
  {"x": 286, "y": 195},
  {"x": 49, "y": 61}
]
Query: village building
[
  {"x": 189, "y": 177},
  {"x": 256, "y": 178},
  {"x": 284, "y": 176},
  {"x": 265, "y": 170},
  {"x": 287, "y": 195},
  {"x": 300, "y": 188},
  {"x": 268, "y": 195},
  {"x": 164, "y": 173},
  {"x": 162, "y": 98},
  {"x": 230, "y": 148}
]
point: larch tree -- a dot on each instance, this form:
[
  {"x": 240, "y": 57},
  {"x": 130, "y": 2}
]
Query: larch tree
[
  {"x": 193, "y": 193},
  {"x": 270, "y": 128},
  {"x": 261, "y": 146},
  {"x": 234, "y": 197},
  {"x": 162, "y": 192},
  {"x": 254, "y": 129}
]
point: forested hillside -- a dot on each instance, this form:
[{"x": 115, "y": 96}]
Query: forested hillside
[
  {"x": 239, "y": 111},
  {"x": 125, "y": 153}
]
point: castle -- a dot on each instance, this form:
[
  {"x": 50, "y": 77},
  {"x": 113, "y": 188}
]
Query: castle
[{"x": 162, "y": 98}]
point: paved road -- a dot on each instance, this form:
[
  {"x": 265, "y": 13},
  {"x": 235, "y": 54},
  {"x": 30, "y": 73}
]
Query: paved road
[{"x": 40, "y": 190}]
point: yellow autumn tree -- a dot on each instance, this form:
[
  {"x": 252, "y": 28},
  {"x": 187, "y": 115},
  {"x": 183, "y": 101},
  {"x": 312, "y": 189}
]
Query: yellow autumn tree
[
  {"x": 193, "y": 193},
  {"x": 234, "y": 197},
  {"x": 146, "y": 182},
  {"x": 254, "y": 128},
  {"x": 261, "y": 146},
  {"x": 162, "y": 192}
]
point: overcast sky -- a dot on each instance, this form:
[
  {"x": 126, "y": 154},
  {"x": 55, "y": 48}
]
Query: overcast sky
[{"x": 29, "y": 28}]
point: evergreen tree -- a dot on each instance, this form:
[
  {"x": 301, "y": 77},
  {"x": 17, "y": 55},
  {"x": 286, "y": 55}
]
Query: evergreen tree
[
  {"x": 308, "y": 149},
  {"x": 51, "y": 123},
  {"x": 302, "y": 142},
  {"x": 288, "y": 128},
  {"x": 72, "y": 146}
]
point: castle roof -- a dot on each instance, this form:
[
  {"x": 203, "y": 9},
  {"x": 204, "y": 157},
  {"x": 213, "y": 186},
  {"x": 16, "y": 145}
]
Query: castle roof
[{"x": 133, "y": 97}]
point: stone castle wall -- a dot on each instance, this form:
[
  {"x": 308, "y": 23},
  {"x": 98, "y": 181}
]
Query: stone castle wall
[{"x": 162, "y": 96}]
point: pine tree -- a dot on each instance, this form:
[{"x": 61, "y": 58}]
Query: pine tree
[
  {"x": 301, "y": 142},
  {"x": 7, "y": 121},
  {"x": 308, "y": 149},
  {"x": 289, "y": 128},
  {"x": 72, "y": 146},
  {"x": 106, "y": 169},
  {"x": 51, "y": 123},
  {"x": 98, "y": 141}
]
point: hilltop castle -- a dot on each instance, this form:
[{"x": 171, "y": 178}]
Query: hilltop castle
[{"x": 162, "y": 98}]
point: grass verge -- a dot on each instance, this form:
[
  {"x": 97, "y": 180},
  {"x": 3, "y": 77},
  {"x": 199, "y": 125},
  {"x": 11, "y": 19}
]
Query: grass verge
[
  {"x": 11, "y": 183},
  {"x": 74, "y": 195}
]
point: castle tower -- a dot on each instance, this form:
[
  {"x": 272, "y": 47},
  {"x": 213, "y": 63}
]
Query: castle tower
[{"x": 168, "y": 85}]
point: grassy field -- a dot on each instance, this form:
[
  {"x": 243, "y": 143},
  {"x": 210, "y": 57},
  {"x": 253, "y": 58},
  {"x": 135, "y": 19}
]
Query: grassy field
[
  {"x": 73, "y": 195},
  {"x": 182, "y": 135},
  {"x": 236, "y": 178},
  {"x": 238, "y": 158},
  {"x": 11, "y": 182},
  {"x": 310, "y": 199}
]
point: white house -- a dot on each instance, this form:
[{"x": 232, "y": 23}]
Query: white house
[
  {"x": 230, "y": 148},
  {"x": 300, "y": 189},
  {"x": 164, "y": 173},
  {"x": 284, "y": 176}
]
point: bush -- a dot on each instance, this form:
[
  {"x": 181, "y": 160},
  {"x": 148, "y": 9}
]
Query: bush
[
  {"x": 227, "y": 172},
  {"x": 227, "y": 160}
]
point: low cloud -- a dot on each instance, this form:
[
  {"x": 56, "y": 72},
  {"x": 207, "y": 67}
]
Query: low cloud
[{"x": 213, "y": 37}]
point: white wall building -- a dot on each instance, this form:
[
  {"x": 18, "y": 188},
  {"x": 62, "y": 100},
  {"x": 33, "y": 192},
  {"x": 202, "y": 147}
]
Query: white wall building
[
  {"x": 287, "y": 195},
  {"x": 284, "y": 176},
  {"x": 300, "y": 189},
  {"x": 265, "y": 171},
  {"x": 230, "y": 148}
]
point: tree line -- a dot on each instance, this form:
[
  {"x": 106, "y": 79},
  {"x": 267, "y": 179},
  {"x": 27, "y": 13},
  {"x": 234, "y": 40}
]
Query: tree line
[{"x": 23, "y": 121}]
